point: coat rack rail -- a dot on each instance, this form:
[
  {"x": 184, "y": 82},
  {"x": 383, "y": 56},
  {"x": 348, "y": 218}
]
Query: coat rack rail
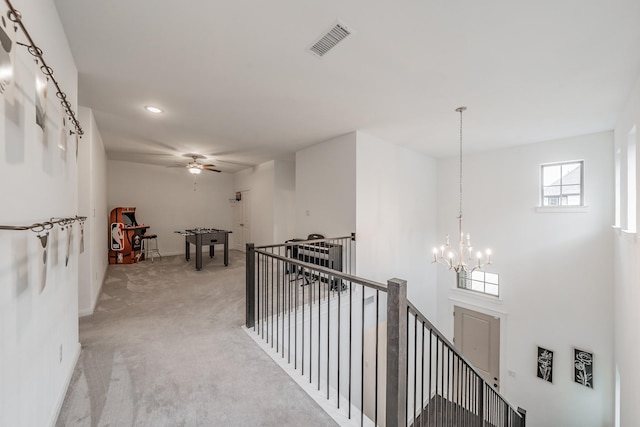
[
  {"x": 16, "y": 17},
  {"x": 45, "y": 225}
]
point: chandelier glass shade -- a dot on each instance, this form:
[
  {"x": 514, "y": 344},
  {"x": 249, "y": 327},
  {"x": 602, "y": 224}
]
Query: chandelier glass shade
[{"x": 460, "y": 257}]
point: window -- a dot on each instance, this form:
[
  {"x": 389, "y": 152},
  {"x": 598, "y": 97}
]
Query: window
[
  {"x": 480, "y": 281},
  {"x": 618, "y": 175},
  {"x": 562, "y": 184},
  {"x": 631, "y": 181}
]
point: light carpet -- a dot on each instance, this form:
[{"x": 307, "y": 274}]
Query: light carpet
[{"x": 165, "y": 348}]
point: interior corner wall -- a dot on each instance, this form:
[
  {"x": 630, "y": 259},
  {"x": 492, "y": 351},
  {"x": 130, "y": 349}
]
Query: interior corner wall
[
  {"x": 396, "y": 218},
  {"x": 169, "y": 199},
  {"x": 627, "y": 279},
  {"x": 555, "y": 273},
  {"x": 92, "y": 203},
  {"x": 326, "y": 188},
  {"x": 284, "y": 200},
  {"x": 259, "y": 181},
  {"x": 38, "y": 302}
]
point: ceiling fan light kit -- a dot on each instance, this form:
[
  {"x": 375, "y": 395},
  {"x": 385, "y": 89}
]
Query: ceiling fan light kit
[
  {"x": 152, "y": 109},
  {"x": 195, "y": 167}
]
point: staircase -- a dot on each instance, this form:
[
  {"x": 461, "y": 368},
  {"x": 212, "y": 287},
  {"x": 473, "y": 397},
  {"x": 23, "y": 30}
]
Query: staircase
[{"x": 374, "y": 358}]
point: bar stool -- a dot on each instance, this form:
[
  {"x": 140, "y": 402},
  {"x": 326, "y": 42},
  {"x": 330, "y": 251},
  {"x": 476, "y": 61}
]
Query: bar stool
[{"x": 148, "y": 249}]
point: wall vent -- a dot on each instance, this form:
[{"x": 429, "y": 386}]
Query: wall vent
[{"x": 327, "y": 41}]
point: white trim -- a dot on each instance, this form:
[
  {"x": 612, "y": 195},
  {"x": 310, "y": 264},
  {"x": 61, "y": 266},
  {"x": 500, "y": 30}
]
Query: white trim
[
  {"x": 318, "y": 396},
  {"x": 92, "y": 309},
  {"x": 61, "y": 396},
  {"x": 562, "y": 209},
  {"x": 471, "y": 294}
]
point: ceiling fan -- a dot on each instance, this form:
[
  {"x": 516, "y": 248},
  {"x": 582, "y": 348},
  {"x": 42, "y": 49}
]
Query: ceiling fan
[{"x": 195, "y": 167}]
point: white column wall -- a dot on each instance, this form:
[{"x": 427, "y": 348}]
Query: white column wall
[
  {"x": 165, "y": 200},
  {"x": 285, "y": 200},
  {"x": 326, "y": 188},
  {"x": 626, "y": 279},
  {"x": 38, "y": 313},
  {"x": 555, "y": 272},
  {"x": 396, "y": 218},
  {"x": 92, "y": 203},
  {"x": 260, "y": 182}
]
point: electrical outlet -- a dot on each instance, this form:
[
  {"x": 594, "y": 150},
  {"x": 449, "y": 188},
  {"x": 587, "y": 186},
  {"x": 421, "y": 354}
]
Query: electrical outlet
[{"x": 60, "y": 354}]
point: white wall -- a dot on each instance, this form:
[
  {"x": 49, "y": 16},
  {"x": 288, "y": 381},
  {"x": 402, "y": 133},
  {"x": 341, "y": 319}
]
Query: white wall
[
  {"x": 39, "y": 181},
  {"x": 396, "y": 218},
  {"x": 165, "y": 200},
  {"x": 326, "y": 188},
  {"x": 626, "y": 279},
  {"x": 284, "y": 200},
  {"x": 92, "y": 203},
  {"x": 271, "y": 187},
  {"x": 555, "y": 272},
  {"x": 259, "y": 181}
]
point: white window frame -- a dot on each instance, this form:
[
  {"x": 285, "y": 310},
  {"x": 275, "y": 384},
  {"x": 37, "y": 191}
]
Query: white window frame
[
  {"x": 467, "y": 283},
  {"x": 631, "y": 181},
  {"x": 559, "y": 198}
]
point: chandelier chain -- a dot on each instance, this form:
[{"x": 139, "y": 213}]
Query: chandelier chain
[{"x": 461, "y": 110}]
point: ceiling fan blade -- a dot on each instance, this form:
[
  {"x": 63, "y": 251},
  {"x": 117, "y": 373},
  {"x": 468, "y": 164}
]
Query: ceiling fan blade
[
  {"x": 209, "y": 165},
  {"x": 211, "y": 169}
]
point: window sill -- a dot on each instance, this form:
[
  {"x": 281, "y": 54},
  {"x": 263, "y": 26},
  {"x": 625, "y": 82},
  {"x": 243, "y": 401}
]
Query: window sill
[
  {"x": 475, "y": 295},
  {"x": 562, "y": 209}
]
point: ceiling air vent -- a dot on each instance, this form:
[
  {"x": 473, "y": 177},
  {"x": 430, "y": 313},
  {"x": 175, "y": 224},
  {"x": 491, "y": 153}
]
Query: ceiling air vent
[{"x": 327, "y": 41}]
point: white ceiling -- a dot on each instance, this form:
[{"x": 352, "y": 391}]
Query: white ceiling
[{"x": 237, "y": 83}]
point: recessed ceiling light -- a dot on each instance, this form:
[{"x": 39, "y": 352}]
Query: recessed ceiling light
[{"x": 153, "y": 109}]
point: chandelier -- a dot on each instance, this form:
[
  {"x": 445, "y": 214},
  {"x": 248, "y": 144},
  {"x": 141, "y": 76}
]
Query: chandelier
[{"x": 460, "y": 257}]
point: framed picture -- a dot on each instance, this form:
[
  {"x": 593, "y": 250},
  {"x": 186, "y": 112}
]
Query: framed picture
[
  {"x": 583, "y": 367},
  {"x": 545, "y": 364}
]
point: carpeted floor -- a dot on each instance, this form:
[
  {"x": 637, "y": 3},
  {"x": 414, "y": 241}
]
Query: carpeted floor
[{"x": 165, "y": 348}]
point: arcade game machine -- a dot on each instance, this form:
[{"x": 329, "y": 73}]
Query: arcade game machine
[{"x": 125, "y": 236}]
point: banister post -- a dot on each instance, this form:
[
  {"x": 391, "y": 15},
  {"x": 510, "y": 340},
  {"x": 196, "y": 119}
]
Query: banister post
[
  {"x": 250, "y": 295},
  {"x": 523, "y": 416},
  {"x": 396, "y": 353},
  {"x": 481, "y": 400}
]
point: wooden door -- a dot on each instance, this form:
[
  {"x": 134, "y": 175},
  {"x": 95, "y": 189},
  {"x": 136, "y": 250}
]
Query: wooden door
[{"x": 477, "y": 337}]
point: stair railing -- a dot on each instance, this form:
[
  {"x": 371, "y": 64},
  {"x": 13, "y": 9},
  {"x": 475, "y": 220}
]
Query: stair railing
[{"x": 362, "y": 344}]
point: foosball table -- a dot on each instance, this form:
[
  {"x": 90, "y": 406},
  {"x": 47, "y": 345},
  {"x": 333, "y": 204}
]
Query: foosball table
[{"x": 205, "y": 237}]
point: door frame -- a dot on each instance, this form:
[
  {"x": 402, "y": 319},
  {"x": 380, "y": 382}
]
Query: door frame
[
  {"x": 495, "y": 312},
  {"x": 244, "y": 195}
]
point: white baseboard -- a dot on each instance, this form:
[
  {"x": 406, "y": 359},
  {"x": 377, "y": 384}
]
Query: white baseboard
[
  {"x": 67, "y": 382},
  {"x": 318, "y": 396},
  {"x": 89, "y": 311}
]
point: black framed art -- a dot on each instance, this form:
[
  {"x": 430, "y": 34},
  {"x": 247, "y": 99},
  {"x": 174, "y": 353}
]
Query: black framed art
[
  {"x": 583, "y": 367},
  {"x": 545, "y": 364}
]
